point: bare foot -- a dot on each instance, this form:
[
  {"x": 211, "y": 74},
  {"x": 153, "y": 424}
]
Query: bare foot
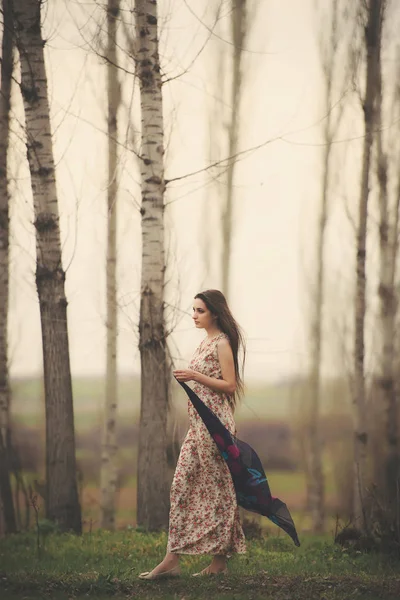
[
  {"x": 218, "y": 564},
  {"x": 169, "y": 563},
  {"x": 213, "y": 570}
]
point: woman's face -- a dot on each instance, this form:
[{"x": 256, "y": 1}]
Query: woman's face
[{"x": 202, "y": 317}]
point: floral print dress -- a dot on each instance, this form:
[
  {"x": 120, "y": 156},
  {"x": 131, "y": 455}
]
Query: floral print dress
[{"x": 204, "y": 517}]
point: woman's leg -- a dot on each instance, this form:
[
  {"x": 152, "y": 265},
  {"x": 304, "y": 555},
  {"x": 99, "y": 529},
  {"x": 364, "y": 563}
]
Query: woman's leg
[
  {"x": 170, "y": 561},
  {"x": 218, "y": 563}
]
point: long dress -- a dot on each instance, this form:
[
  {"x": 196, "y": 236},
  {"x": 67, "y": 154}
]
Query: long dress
[{"x": 204, "y": 516}]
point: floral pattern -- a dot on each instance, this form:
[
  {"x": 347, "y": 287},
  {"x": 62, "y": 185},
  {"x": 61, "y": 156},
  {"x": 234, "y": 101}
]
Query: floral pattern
[{"x": 204, "y": 517}]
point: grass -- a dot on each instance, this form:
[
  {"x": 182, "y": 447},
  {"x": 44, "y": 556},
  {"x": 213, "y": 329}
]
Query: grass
[
  {"x": 102, "y": 564},
  {"x": 290, "y": 487}
]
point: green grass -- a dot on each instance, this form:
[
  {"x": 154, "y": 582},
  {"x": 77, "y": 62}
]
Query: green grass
[
  {"x": 289, "y": 486},
  {"x": 289, "y": 482},
  {"x": 102, "y": 564}
]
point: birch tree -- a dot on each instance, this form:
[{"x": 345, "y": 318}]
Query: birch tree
[
  {"x": 152, "y": 495},
  {"x": 224, "y": 118},
  {"x": 330, "y": 39},
  {"x": 373, "y": 11},
  {"x": 5, "y": 396},
  {"x": 216, "y": 150},
  {"x": 109, "y": 444},
  {"x": 62, "y": 503},
  {"x": 239, "y": 32},
  {"x": 388, "y": 246}
]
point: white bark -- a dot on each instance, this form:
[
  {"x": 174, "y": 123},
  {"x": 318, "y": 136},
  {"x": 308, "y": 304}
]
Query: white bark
[
  {"x": 372, "y": 44},
  {"x": 329, "y": 46},
  {"x": 216, "y": 152},
  {"x": 239, "y": 32},
  {"x": 5, "y": 395},
  {"x": 62, "y": 503},
  {"x": 315, "y": 471},
  {"x": 5, "y": 95},
  {"x": 153, "y": 495},
  {"x": 108, "y": 483},
  {"x": 388, "y": 242}
]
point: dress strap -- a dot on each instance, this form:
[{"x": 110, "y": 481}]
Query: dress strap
[
  {"x": 208, "y": 342},
  {"x": 218, "y": 337}
]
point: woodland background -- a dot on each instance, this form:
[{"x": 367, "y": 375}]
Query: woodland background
[{"x": 153, "y": 149}]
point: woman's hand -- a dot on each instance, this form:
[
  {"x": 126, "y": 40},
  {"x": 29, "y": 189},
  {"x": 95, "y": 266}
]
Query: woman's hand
[{"x": 185, "y": 375}]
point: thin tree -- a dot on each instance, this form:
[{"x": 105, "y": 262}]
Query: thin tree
[
  {"x": 224, "y": 119},
  {"x": 215, "y": 115},
  {"x": 239, "y": 32},
  {"x": 5, "y": 394},
  {"x": 152, "y": 494},
  {"x": 372, "y": 40},
  {"x": 62, "y": 502},
  {"x": 329, "y": 44},
  {"x": 109, "y": 444},
  {"x": 388, "y": 245}
]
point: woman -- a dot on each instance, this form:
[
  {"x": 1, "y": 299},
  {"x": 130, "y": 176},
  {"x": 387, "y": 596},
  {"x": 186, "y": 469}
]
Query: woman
[{"x": 204, "y": 517}]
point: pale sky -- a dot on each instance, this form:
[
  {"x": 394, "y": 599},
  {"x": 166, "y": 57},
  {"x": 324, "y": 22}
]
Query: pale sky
[{"x": 277, "y": 190}]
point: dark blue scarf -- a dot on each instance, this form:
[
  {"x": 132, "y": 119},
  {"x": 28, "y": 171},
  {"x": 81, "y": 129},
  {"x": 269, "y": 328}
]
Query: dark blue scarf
[{"x": 249, "y": 479}]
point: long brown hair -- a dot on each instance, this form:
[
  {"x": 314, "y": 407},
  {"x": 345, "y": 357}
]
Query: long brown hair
[{"x": 218, "y": 306}]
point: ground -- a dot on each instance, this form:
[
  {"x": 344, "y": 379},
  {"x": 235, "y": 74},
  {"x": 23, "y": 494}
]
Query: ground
[{"x": 102, "y": 564}]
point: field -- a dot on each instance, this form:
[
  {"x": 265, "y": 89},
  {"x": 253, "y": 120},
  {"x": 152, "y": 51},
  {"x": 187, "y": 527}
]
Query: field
[
  {"x": 261, "y": 400},
  {"x": 265, "y": 416},
  {"x": 102, "y": 565}
]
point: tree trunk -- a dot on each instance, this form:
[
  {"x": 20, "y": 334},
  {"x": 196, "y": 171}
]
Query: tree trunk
[
  {"x": 109, "y": 444},
  {"x": 372, "y": 43},
  {"x": 62, "y": 503},
  {"x": 6, "y": 497},
  {"x": 388, "y": 243},
  {"x": 239, "y": 29},
  {"x": 153, "y": 496},
  {"x": 329, "y": 45},
  {"x": 214, "y": 194},
  {"x": 5, "y": 396},
  {"x": 316, "y": 477}
]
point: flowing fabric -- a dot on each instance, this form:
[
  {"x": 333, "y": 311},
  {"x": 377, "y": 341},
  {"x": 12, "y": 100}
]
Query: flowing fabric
[
  {"x": 204, "y": 515},
  {"x": 249, "y": 479}
]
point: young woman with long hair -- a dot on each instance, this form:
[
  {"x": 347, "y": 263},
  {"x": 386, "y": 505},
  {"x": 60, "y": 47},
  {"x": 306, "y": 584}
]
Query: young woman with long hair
[{"x": 204, "y": 517}]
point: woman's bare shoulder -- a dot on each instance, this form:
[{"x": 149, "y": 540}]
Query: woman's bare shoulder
[{"x": 223, "y": 342}]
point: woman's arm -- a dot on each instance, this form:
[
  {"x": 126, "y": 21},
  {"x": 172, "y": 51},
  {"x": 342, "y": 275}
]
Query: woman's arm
[{"x": 226, "y": 385}]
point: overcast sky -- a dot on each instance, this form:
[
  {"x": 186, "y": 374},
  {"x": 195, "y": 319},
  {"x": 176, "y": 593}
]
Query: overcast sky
[{"x": 277, "y": 189}]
